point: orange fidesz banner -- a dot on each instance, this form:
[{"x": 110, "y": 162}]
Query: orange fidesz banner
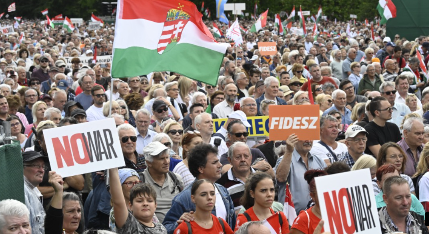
[
  {"x": 303, "y": 120},
  {"x": 267, "y": 48}
]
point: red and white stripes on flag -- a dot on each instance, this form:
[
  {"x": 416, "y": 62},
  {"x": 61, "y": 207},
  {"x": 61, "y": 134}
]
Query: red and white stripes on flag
[
  {"x": 21, "y": 38},
  {"x": 172, "y": 31},
  {"x": 422, "y": 62},
  {"x": 44, "y": 12},
  {"x": 11, "y": 8},
  {"x": 1, "y": 15},
  {"x": 96, "y": 19},
  {"x": 234, "y": 33},
  {"x": 114, "y": 11},
  {"x": 289, "y": 207},
  {"x": 301, "y": 16},
  {"x": 372, "y": 32}
]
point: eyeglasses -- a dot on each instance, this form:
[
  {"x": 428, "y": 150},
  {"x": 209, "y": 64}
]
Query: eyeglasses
[
  {"x": 296, "y": 84},
  {"x": 239, "y": 157},
  {"x": 299, "y": 71},
  {"x": 194, "y": 132},
  {"x": 162, "y": 110},
  {"x": 167, "y": 144},
  {"x": 219, "y": 98},
  {"x": 15, "y": 124},
  {"x": 209, "y": 87},
  {"x": 394, "y": 156},
  {"x": 100, "y": 95},
  {"x": 125, "y": 139},
  {"x": 318, "y": 89},
  {"x": 37, "y": 166},
  {"x": 329, "y": 100},
  {"x": 339, "y": 117},
  {"x": 175, "y": 90},
  {"x": 131, "y": 184},
  {"x": 35, "y": 83},
  {"x": 62, "y": 66},
  {"x": 31, "y": 96},
  {"x": 279, "y": 143},
  {"x": 348, "y": 88},
  {"x": 390, "y": 92},
  {"x": 387, "y": 109},
  {"x": 174, "y": 132},
  {"x": 123, "y": 107},
  {"x": 239, "y": 134},
  {"x": 144, "y": 83}
]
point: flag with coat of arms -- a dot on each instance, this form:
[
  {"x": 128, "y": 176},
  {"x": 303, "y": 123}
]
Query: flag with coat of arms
[
  {"x": 234, "y": 33},
  {"x": 11, "y": 8}
]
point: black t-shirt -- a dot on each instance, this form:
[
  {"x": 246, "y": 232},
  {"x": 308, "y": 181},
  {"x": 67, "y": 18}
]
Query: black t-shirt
[
  {"x": 379, "y": 135},
  {"x": 358, "y": 99}
]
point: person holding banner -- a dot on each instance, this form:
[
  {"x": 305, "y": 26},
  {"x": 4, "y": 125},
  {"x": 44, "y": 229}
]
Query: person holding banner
[
  {"x": 307, "y": 220},
  {"x": 258, "y": 198},
  {"x": 204, "y": 197}
]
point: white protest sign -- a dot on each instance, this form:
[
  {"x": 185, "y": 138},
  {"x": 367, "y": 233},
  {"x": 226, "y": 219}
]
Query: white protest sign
[
  {"x": 305, "y": 12},
  {"x": 78, "y": 21},
  {"x": 86, "y": 60},
  {"x": 8, "y": 29},
  {"x": 296, "y": 31},
  {"x": 236, "y": 8},
  {"x": 84, "y": 148},
  {"x": 347, "y": 203},
  {"x": 353, "y": 16},
  {"x": 94, "y": 26}
]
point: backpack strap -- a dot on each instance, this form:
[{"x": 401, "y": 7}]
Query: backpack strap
[
  {"x": 247, "y": 216},
  {"x": 280, "y": 220},
  {"x": 142, "y": 179},
  {"x": 175, "y": 180},
  {"x": 219, "y": 135},
  {"x": 329, "y": 150},
  {"x": 221, "y": 224},
  {"x": 189, "y": 227}
]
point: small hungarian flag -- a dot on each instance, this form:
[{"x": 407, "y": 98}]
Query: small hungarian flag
[
  {"x": 1, "y": 15},
  {"x": 244, "y": 31},
  {"x": 183, "y": 34},
  {"x": 302, "y": 21},
  {"x": 278, "y": 23},
  {"x": 96, "y": 19},
  {"x": 387, "y": 10},
  {"x": 68, "y": 24},
  {"x": 313, "y": 18},
  {"x": 422, "y": 63},
  {"x": 209, "y": 14},
  {"x": 315, "y": 29},
  {"x": 45, "y": 12},
  {"x": 21, "y": 38},
  {"x": 114, "y": 11},
  {"x": 260, "y": 23},
  {"x": 202, "y": 6},
  {"x": 372, "y": 32},
  {"x": 319, "y": 14},
  {"x": 216, "y": 31},
  {"x": 289, "y": 207},
  {"x": 17, "y": 18},
  {"x": 11, "y": 8},
  {"x": 366, "y": 22},
  {"x": 291, "y": 18},
  {"x": 59, "y": 16},
  {"x": 49, "y": 22}
]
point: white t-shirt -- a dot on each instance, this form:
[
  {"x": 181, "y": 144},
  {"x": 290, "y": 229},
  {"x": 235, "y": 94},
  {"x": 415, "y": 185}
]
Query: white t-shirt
[
  {"x": 220, "y": 207},
  {"x": 94, "y": 113},
  {"x": 320, "y": 151},
  {"x": 424, "y": 188}
]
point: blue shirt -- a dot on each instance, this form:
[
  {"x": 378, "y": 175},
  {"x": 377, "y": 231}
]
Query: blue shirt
[
  {"x": 345, "y": 119},
  {"x": 399, "y": 112},
  {"x": 143, "y": 141},
  {"x": 84, "y": 100},
  {"x": 28, "y": 114}
]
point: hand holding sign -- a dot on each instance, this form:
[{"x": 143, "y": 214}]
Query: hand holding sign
[
  {"x": 56, "y": 181},
  {"x": 291, "y": 141}
]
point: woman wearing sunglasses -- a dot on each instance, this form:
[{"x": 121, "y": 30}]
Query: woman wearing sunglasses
[
  {"x": 298, "y": 71},
  {"x": 175, "y": 131}
]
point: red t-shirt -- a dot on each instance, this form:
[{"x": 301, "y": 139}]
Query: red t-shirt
[
  {"x": 402, "y": 62},
  {"x": 304, "y": 225},
  {"x": 241, "y": 219},
  {"x": 321, "y": 82},
  {"x": 215, "y": 229}
]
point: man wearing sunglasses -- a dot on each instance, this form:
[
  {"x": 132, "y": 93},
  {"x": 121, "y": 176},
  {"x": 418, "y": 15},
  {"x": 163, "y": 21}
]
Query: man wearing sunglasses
[
  {"x": 399, "y": 110},
  {"x": 42, "y": 73},
  {"x": 95, "y": 111}
]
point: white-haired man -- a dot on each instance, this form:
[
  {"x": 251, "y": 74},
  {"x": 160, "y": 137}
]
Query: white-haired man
[
  {"x": 226, "y": 107},
  {"x": 413, "y": 131},
  {"x": 340, "y": 101},
  {"x": 271, "y": 88}
]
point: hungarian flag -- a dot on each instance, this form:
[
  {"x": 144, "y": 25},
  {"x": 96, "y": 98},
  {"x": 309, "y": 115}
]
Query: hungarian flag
[
  {"x": 302, "y": 21},
  {"x": 366, "y": 22},
  {"x": 59, "y": 16},
  {"x": 49, "y": 22},
  {"x": 21, "y": 38},
  {"x": 387, "y": 10},
  {"x": 319, "y": 14},
  {"x": 372, "y": 32},
  {"x": 17, "y": 18},
  {"x": 289, "y": 207},
  {"x": 243, "y": 30},
  {"x": 278, "y": 23},
  {"x": 216, "y": 31},
  {"x": 11, "y": 8},
  {"x": 1, "y": 15},
  {"x": 206, "y": 12},
  {"x": 422, "y": 63},
  {"x": 234, "y": 33},
  {"x": 185, "y": 45},
  {"x": 313, "y": 18},
  {"x": 260, "y": 23},
  {"x": 273, "y": 223},
  {"x": 45, "y": 12},
  {"x": 291, "y": 18},
  {"x": 68, "y": 25},
  {"x": 315, "y": 29},
  {"x": 96, "y": 19},
  {"x": 202, "y": 6},
  {"x": 209, "y": 14},
  {"x": 114, "y": 11}
]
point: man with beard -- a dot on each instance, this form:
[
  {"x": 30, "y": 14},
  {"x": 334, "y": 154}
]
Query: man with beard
[
  {"x": 226, "y": 107},
  {"x": 290, "y": 168}
]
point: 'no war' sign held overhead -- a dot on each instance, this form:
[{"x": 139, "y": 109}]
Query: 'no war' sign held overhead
[
  {"x": 83, "y": 148},
  {"x": 303, "y": 120}
]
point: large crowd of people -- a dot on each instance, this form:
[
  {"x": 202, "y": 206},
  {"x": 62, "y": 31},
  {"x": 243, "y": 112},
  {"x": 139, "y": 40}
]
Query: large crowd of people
[{"x": 180, "y": 176}]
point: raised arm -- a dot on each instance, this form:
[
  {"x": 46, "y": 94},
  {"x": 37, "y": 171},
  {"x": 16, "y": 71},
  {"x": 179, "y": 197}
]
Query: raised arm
[
  {"x": 283, "y": 168},
  {"x": 119, "y": 207}
]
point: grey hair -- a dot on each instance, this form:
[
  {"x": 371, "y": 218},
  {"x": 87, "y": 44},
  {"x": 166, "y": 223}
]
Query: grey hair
[
  {"x": 170, "y": 84},
  {"x": 245, "y": 98},
  {"x": 407, "y": 75},
  {"x": 81, "y": 79},
  {"x": 9, "y": 79},
  {"x": 327, "y": 85},
  {"x": 326, "y": 68},
  {"x": 325, "y": 118},
  {"x": 70, "y": 196},
  {"x": 353, "y": 42},
  {"x": 129, "y": 78},
  {"x": 6, "y": 86},
  {"x": 199, "y": 118},
  {"x": 28, "y": 90},
  {"x": 59, "y": 91},
  {"x": 59, "y": 74},
  {"x": 12, "y": 208},
  {"x": 296, "y": 95},
  {"x": 265, "y": 68},
  {"x": 408, "y": 123},
  {"x": 20, "y": 68},
  {"x": 386, "y": 84},
  {"x": 142, "y": 111},
  {"x": 49, "y": 111},
  {"x": 236, "y": 144},
  {"x": 244, "y": 229},
  {"x": 269, "y": 80},
  {"x": 124, "y": 127},
  {"x": 118, "y": 85},
  {"x": 155, "y": 93},
  {"x": 127, "y": 113},
  {"x": 426, "y": 128},
  {"x": 370, "y": 65},
  {"x": 160, "y": 136},
  {"x": 413, "y": 60},
  {"x": 336, "y": 92},
  {"x": 196, "y": 95},
  {"x": 239, "y": 76}
]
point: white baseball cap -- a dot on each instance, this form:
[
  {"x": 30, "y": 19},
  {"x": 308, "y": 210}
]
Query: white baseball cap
[
  {"x": 353, "y": 130},
  {"x": 241, "y": 116},
  {"x": 387, "y": 39}
]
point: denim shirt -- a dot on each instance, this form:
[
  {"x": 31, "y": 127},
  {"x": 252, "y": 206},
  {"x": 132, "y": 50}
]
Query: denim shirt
[
  {"x": 182, "y": 203},
  {"x": 34, "y": 205}
]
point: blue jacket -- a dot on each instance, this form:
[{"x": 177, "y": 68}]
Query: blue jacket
[
  {"x": 261, "y": 98},
  {"x": 182, "y": 203},
  {"x": 46, "y": 86}
]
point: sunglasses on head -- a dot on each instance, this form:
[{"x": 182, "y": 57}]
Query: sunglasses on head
[
  {"x": 125, "y": 139},
  {"x": 162, "y": 110},
  {"x": 174, "y": 132},
  {"x": 279, "y": 143},
  {"x": 239, "y": 134}
]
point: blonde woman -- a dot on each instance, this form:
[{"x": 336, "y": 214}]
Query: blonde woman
[
  {"x": 116, "y": 109},
  {"x": 324, "y": 101},
  {"x": 175, "y": 131},
  {"x": 38, "y": 112},
  {"x": 411, "y": 102},
  {"x": 421, "y": 177},
  {"x": 366, "y": 161},
  {"x": 187, "y": 88}
]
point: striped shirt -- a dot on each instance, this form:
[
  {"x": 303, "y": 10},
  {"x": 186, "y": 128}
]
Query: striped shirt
[{"x": 235, "y": 187}]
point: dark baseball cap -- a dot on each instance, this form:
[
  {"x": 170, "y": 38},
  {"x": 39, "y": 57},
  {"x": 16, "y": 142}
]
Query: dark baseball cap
[
  {"x": 158, "y": 104},
  {"x": 46, "y": 96},
  {"x": 425, "y": 45},
  {"x": 55, "y": 69},
  {"x": 78, "y": 111},
  {"x": 29, "y": 156},
  {"x": 62, "y": 84}
]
